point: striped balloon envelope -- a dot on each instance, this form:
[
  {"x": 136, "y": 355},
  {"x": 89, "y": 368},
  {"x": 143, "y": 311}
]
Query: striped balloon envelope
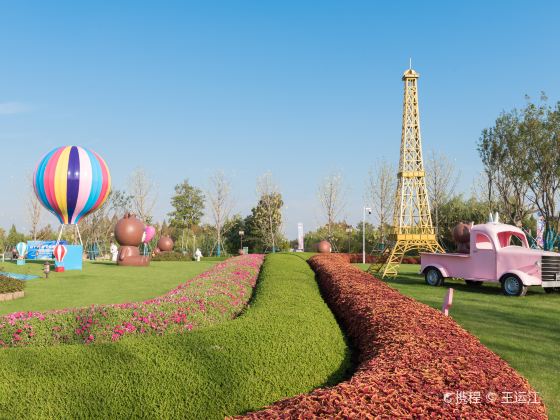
[
  {"x": 72, "y": 182},
  {"x": 59, "y": 252}
]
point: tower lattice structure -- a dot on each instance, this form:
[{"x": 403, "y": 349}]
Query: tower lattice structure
[{"x": 412, "y": 221}]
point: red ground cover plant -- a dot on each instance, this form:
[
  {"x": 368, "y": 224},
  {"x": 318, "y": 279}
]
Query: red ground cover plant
[{"x": 413, "y": 362}]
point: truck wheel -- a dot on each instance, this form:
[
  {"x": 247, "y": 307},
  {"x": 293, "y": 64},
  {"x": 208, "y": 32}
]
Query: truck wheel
[
  {"x": 549, "y": 289},
  {"x": 433, "y": 277},
  {"x": 513, "y": 286},
  {"x": 473, "y": 283}
]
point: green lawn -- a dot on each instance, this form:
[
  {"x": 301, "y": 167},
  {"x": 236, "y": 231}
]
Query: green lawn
[
  {"x": 98, "y": 282},
  {"x": 285, "y": 343},
  {"x": 524, "y": 331}
]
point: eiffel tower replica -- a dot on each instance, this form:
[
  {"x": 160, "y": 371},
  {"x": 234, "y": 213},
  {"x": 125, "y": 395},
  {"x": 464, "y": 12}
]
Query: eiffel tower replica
[{"x": 412, "y": 221}]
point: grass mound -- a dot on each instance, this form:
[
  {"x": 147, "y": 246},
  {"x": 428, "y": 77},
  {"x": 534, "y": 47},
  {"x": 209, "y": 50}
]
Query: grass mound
[
  {"x": 286, "y": 343},
  {"x": 413, "y": 361}
]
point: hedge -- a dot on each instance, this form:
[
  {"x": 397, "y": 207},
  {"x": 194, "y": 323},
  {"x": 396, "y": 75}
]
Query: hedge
[
  {"x": 414, "y": 362},
  {"x": 10, "y": 285}
]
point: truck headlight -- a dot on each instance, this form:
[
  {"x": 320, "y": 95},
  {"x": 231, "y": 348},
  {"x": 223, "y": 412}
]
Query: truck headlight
[{"x": 538, "y": 263}]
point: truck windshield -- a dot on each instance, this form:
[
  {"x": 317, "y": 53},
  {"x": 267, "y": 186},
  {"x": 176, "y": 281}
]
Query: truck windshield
[{"x": 512, "y": 239}]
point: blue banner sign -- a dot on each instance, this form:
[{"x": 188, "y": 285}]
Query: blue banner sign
[{"x": 41, "y": 250}]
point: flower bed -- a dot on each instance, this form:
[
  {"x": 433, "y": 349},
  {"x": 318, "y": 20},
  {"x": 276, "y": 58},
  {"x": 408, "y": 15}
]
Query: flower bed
[
  {"x": 412, "y": 360},
  {"x": 218, "y": 294}
]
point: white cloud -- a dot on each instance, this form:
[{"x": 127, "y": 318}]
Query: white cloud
[{"x": 10, "y": 108}]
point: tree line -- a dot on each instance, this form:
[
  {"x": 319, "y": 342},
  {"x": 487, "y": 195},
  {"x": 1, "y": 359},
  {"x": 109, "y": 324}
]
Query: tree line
[
  {"x": 262, "y": 228},
  {"x": 520, "y": 154}
]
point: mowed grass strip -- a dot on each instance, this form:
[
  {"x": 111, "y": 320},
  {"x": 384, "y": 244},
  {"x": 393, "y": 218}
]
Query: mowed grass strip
[
  {"x": 287, "y": 342},
  {"x": 523, "y": 331}
]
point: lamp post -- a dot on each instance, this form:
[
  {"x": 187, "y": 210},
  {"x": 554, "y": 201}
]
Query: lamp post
[
  {"x": 368, "y": 209},
  {"x": 349, "y": 231},
  {"x": 241, "y": 233}
]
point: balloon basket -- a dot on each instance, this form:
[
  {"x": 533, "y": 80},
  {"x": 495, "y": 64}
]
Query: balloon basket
[
  {"x": 20, "y": 262},
  {"x": 59, "y": 269}
]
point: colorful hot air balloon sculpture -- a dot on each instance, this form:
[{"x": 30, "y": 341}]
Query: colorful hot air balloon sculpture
[
  {"x": 72, "y": 182},
  {"x": 59, "y": 252}
]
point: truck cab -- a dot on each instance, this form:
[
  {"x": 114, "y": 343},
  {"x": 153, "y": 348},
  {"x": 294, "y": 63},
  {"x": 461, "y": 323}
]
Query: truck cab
[{"x": 497, "y": 253}]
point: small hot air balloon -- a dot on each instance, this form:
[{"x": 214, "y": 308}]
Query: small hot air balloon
[
  {"x": 21, "y": 248},
  {"x": 72, "y": 182},
  {"x": 59, "y": 252}
]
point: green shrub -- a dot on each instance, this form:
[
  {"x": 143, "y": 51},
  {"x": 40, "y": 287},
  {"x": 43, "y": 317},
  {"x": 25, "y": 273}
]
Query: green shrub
[
  {"x": 10, "y": 285},
  {"x": 216, "y": 258},
  {"x": 172, "y": 256}
]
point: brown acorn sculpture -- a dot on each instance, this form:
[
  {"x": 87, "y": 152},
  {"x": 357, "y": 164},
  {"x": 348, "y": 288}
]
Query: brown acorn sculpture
[
  {"x": 324, "y": 247},
  {"x": 165, "y": 244}
]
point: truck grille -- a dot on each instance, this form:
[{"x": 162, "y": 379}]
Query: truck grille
[{"x": 550, "y": 266}]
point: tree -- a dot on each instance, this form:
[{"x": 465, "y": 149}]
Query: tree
[
  {"x": 380, "y": 193},
  {"x": 141, "y": 189},
  {"x": 34, "y": 210},
  {"x": 119, "y": 203},
  {"x": 188, "y": 203},
  {"x": 501, "y": 149},
  {"x": 220, "y": 203},
  {"x": 2, "y": 240},
  {"x": 331, "y": 199},
  {"x": 46, "y": 233},
  {"x": 267, "y": 215},
  {"x": 231, "y": 229},
  {"x": 441, "y": 180},
  {"x": 540, "y": 167},
  {"x": 521, "y": 156},
  {"x": 14, "y": 236}
]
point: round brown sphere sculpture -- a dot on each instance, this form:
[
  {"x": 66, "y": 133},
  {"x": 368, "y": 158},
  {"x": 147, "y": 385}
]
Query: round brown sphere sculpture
[
  {"x": 324, "y": 247},
  {"x": 165, "y": 244},
  {"x": 462, "y": 237}
]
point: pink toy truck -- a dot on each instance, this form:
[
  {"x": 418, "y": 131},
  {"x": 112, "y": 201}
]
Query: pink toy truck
[{"x": 498, "y": 253}]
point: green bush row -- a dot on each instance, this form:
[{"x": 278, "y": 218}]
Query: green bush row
[
  {"x": 287, "y": 342},
  {"x": 172, "y": 256},
  {"x": 10, "y": 285},
  {"x": 179, "y": 256}
]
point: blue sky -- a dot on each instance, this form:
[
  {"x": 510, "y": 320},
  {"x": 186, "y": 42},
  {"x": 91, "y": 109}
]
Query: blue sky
[{"x": 300, "y": 89}]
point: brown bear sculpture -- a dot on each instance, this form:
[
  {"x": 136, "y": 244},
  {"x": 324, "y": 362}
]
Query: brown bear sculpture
[{"x": 129, "y": 233}]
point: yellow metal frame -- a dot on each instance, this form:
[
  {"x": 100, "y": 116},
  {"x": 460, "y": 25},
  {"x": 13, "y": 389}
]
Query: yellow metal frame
[{"x": 412, "y": 220}]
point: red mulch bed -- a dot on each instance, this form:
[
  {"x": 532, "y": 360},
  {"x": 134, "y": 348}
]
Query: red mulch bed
[{"x": 410, "y": 357}]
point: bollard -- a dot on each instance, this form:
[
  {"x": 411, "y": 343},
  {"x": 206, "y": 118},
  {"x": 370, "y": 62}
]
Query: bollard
[{"x": 447, "y": 302}]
